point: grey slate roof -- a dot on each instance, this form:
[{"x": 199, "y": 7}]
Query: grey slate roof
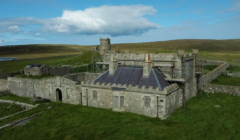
[{"x": 133, "y": 76}]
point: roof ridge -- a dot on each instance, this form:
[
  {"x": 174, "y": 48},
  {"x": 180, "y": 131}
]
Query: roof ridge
[{"x": 155, "y": 76}]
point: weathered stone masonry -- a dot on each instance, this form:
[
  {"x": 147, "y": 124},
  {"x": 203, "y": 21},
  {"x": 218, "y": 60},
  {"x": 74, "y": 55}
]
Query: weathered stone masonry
[{"x": 150, "y": 102}]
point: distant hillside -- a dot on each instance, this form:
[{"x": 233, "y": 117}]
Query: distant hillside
[
  {"x": 187, "y": 44},
  {"x": 212, "y": 49},
  {"x": 43, "y": 50}
]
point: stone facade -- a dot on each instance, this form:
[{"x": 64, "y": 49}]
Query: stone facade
[
  {"x": 209, "y": 77},
  {"x": 46, "y": 88},
  {"x": 82, "y": 76},
  {"x": 3, "y": 85},
  {"x": 36, "y": 70},
  {"x": 150, "y": 102},
  {"x": 105, "y": 45}
]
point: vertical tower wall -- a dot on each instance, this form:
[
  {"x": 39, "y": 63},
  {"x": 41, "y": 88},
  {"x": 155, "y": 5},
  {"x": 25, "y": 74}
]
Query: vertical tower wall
[{"x": 105, "y": 45}]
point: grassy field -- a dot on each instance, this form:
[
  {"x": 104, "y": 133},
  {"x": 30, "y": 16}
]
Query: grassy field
[
  {"x": 225, "y": 80},
  {"x": 42, "y": 50},
  {"x": 11, "y": 66},
  {"x": 200, "y": 120},
  {"x": 233, "y": 69},
  {"x": 208, "y": 68},
  {"x": 8, "y": 109}
]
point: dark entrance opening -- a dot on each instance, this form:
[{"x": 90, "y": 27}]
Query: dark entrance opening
[{"x": 59, "y": 95}]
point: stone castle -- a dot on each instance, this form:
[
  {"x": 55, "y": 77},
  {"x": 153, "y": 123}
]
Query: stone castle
[{"x": 150, "y": 84}]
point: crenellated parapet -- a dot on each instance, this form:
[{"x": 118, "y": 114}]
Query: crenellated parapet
[
  {"x": 143, "y": 89},
  {"x": 171, "y": 88}
]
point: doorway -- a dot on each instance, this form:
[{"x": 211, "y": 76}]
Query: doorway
[{"x": 58, "y": 95}]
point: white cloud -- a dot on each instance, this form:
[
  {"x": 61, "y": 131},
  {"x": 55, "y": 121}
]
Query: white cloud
[
  {"x": 1, "y": 41},
  {"x": 37, "y": 34},
  {"x": 109, "y": 20},
  {"x": 14, "y": 28},
  {"x": 113, "y": 20}
]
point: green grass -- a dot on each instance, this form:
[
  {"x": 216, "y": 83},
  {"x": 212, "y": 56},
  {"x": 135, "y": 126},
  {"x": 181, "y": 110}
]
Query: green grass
[
  {"x": 8, "y": 109},
  {"x": 13, "y": 97},
  {"x": 209, "y": 68},
  {"x": 233, "y": 69},
  {"x": 42, "y": 50},
  {"x": 10, "y": 66},
  {"x": 200, "y": 120},
  {"x": 225, "y": 80}
]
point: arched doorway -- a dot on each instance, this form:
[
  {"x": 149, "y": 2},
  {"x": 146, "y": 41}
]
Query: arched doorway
[{"x": 58, "y": 95}]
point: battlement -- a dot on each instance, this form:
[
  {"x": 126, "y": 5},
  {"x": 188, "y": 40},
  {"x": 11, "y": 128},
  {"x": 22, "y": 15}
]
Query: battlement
[
  {"x": 140, "y": 57},
  {"x": 136, "y": 88}
]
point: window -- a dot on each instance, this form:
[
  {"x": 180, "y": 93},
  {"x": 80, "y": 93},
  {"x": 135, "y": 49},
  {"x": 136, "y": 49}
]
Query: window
[
  {"x": 19, "y": 85},
  {"x": 115, "y": 101},
  {"x": 147, "y": 101},
  {"x": 118, "y": 102},
  {"x": 67, "y": 92},
  {"x": 121, "y": 101},
  {"x": 94, "y": 94}
]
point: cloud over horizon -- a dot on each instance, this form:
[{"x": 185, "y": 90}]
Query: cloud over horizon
[{"x": 111, "y": 20}]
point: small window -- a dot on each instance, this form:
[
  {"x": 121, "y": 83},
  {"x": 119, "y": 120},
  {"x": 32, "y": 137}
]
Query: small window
[
  {"x": 161, "y": 100},
  {"x": 121, "y": 101},
  {"x": 115, "y": 101},
  {"x": 67, "y": 92},
  {"x": 94, "y": 94},
  {"x": 147, "y": 101},
  {"x": 19, "y": 85}
]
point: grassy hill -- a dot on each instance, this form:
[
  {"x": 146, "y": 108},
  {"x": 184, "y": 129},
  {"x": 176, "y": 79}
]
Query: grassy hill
[
  {"x": 228, "y": 50},
  {"x": 187, "y": 44},
  {"x": 200, "y": 120},
  {"x": 210, "y": 49},
  {"x": 10, "y": 66},
  {"x": 42, "y": 50}
]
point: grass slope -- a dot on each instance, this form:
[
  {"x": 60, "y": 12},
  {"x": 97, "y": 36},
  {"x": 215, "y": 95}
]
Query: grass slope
[
  {"x": 187, "y": 44},
  {"x": 201, "y": 120},
  {"x": 10, "y": 66},
  {"x": 8, "y": 109},
  {"x": 210, "y": 49},
  {"x": 225, "y": 80},
  {"x": 41, "y": 50}
]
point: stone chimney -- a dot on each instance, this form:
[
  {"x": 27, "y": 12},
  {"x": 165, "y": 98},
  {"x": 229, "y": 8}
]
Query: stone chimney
[
  {"x": 147, "y": 66},
  {"x": 180, "y": 53},
  {"x": 195, "y": 52},
  {"x": 113, "y": 64}
]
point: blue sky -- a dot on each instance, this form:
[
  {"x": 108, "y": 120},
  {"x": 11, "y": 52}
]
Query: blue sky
[{"x": 84, "y": 22}]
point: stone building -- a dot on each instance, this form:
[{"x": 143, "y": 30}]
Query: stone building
[
  {"x": 36, "y": 70},
  {"x": 105, "y": 45},
  {"x": 150, "y": 84}
]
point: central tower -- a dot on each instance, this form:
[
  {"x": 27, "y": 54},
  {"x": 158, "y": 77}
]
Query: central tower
[{"x": 105, "y": 45}]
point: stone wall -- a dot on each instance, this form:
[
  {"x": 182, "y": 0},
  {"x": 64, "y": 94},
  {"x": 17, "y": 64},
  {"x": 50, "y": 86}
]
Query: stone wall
[
  {"x": 25, "y": 105},
  {"x": 82, "y": 76},
  {"x": 147, "y": 101},
  {"x": 209, "y": 62},
  {"x": 36, "y": 71},
  {"x": 232, "y": 90},
  {"x": 3, "y": 85},
  {"x": 60, "y": 71},
  {"x": 46, "y": 88},
  {"x": 207, "y": 79}
]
